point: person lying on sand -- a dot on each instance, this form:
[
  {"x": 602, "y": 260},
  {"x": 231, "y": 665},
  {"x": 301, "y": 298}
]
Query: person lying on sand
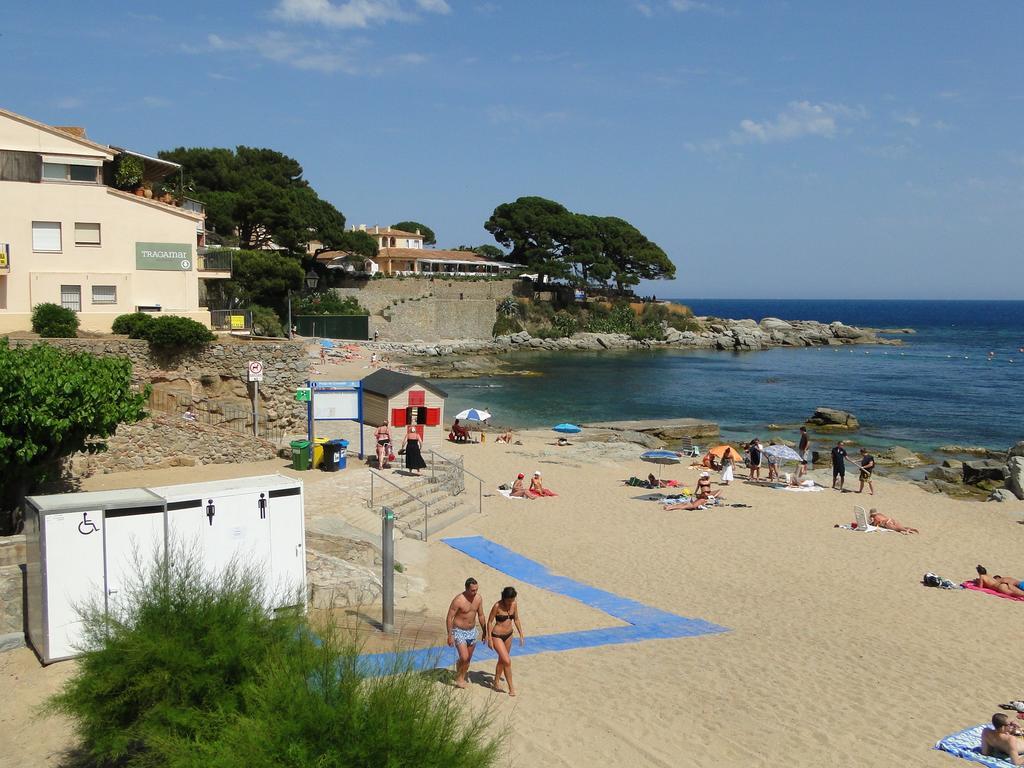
[
  {"x": 504, "y": 437},
  {"x": 879, "y": 520},
  {"x": 653, "y": 482},
  {"x": 1002, "y": 584},
  {"x": 695, "y": 504},
  {"x": 1003, "y": 740},
  {"x": 520, "y": 490}
]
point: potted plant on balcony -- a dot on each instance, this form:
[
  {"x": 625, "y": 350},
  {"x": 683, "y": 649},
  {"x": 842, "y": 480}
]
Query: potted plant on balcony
[{"x": 128, "y": 173}]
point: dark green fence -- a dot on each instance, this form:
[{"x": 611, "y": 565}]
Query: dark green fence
[{"x": 334, "y": 326}]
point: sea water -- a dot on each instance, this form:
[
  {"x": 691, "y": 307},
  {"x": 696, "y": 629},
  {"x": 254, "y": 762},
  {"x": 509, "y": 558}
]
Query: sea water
[{"x": 941, "y": 386}]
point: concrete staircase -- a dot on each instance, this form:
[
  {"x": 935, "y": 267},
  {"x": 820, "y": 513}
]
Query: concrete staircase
[{"x": 427, "y": 505}]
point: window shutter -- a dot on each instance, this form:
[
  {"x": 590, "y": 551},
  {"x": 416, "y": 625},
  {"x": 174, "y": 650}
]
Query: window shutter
[
  {"x": 433, "y": 417},
  {"x": 417, "y": 397},
  {"x": 398, "y": 417},
  {"x": 87, "y": 234},
  {"x": 46, "y": 236}
]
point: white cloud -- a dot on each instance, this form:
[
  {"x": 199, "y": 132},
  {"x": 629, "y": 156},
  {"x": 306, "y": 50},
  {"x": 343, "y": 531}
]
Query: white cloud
[
  {"x": 650, "y": 8},
  {"x": 800, "y": 119},
  {"x": 297, "y": 53},
  {"x": 907, "y": 118},
  {"x": 69, "y": 102},
  {"x": 155, "y": 102},
  {"x": 354, "y": 13},
  {"x": 502, "y": 114}
]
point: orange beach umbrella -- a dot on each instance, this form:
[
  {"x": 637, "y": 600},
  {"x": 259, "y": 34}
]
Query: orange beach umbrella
[{"x": 718, "y": 451}]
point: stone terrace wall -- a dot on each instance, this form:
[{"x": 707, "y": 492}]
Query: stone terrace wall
[
  {"x": 170, "y": 441},
  {"x": 376, "y": 295},
  {"x": 213, "y": 379}
]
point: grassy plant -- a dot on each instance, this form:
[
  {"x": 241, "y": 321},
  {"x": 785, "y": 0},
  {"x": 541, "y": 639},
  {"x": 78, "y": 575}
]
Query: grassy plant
[
  {"x": 172, "y": 659},
  {"x": 315, "y": 706},
  {"x": 506, "y": 325}
]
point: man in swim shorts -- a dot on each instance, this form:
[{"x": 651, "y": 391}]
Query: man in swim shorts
[
  {"x": 466, "y": 609},
  {"x": 1001, "y": 740},
  {"x": 1006, "y": 585},
  {"x": 839, "y": 465}
]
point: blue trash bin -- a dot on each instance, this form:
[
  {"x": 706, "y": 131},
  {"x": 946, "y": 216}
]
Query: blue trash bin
[{"x": 342, "y": 445}]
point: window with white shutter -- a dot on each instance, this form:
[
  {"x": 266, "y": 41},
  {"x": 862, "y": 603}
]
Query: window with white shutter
[
  {"x": 46, "y": 236},
  {"x": 71, "y": 297},
  {"x": 104, "y": 294}
]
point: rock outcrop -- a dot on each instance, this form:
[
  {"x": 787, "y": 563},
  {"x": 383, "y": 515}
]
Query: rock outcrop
[
  {"x": 975, "y": 472},
  {"x": 833, "y": 419},
  {"x": 1015, "y": 476}
]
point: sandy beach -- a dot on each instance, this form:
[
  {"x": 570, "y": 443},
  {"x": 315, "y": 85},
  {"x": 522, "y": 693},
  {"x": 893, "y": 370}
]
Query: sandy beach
[{"x": 835, "y": 654}]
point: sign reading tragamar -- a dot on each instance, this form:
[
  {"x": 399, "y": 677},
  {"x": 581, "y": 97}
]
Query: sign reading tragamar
[{"x": 167, "y": 257}]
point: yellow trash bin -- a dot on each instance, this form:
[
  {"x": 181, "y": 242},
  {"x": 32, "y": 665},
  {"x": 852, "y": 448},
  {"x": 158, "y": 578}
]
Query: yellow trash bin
[{"x": 318, "y": 450}]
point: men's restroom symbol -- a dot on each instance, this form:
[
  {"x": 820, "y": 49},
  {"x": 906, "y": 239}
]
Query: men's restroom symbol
[
  {"x": 210, "y": 511},
  {"x": 87, "y": 526},
  {"x": 262, "y": 505}
]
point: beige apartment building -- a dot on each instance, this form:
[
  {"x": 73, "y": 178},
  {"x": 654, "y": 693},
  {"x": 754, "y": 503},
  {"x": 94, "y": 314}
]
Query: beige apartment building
[{"x": 69, "y": 237}]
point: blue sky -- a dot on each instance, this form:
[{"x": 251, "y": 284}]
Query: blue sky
[{"x": 773, "y": 149}]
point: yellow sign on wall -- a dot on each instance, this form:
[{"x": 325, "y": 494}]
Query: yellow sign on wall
[
  {"x": 238, "y": 322},
  {"x": 5, "y": 256}
]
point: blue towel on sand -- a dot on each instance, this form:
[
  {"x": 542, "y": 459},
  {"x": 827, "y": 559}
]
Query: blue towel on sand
[{"x": 967, "y": 744}]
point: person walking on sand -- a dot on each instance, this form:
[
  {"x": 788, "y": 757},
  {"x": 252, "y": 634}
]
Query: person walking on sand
[
  {"x": 867, "y": 469},
  {"x": 413, "y": 456},
  {"x": 728, "y": 460},
  {"x": 466, "y": 609},
  {"x": 804, "y": 448},
  {"x": 383, "y": 437},
  {"x": 839, "y": 455},
  {"x": 504, "y": 614}
]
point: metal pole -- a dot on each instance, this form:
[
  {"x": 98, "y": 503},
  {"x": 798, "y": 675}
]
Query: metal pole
[
  {"x": 255, "y": 409},
  {"x": 290, "y": 334},
  {"x": 387, "y": 580}
]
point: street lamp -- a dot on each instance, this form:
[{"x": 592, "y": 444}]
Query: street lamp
[{"x": 312, "y": 279}]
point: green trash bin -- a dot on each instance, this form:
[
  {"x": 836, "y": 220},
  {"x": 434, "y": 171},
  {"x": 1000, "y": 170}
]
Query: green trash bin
[{"x": 300, "y": 454}]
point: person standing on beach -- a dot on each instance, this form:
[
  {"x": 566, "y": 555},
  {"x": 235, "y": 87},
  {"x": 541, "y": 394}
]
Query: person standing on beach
[
  {"x": 839, "y": 455},
  {"x": 504, "y": 614},
  {"x": 727, "y": 462},
  {"x": 867, "y": 469},
  {"x": 754, "y": 449},
  {"x": 804, "y": 448},
  {"x": 466, "y": 609}
]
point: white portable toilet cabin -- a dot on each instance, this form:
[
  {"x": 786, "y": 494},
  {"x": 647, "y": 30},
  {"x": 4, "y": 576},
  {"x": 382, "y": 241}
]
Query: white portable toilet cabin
[
  {"x": 82, "y": 548},
  {"x": 253, "y": 521}
]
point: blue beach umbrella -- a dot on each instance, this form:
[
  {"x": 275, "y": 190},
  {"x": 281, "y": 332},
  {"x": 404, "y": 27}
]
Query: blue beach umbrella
[
  {"x": 567, "y": 429},
  {"x": 661, "y": 458},
  {"x": 783, "y": 453}
]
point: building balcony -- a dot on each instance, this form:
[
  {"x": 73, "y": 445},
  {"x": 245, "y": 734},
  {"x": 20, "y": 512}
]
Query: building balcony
[{"x": 214, "y": 263}]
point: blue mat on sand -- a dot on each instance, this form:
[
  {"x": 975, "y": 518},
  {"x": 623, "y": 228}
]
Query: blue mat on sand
[
  {"x": 645, "y": 623},
  {"x": 967, "y": 744}
]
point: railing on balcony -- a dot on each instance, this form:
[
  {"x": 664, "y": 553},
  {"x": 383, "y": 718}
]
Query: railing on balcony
[{"x": 215, "y": 261}]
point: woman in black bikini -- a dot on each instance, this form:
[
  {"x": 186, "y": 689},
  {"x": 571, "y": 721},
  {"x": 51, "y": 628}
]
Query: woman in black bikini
[{"x": 504, "y": 614}]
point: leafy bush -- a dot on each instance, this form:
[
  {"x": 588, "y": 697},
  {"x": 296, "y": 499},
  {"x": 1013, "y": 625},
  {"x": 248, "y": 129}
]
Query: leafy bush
[
  {"x": 132, "y": 325},
  {"x": 265, "y": 322},
  {"x": 52, "y": 321},
  {"x": 171, "y": 332},
  {"x": 565, "y": 324},
  {"x": 329, "y": 303},
  {"x": 509, "y": 307},
  {"x": 504, "y": 326},
  {"x": 128, "y": 174},
  {"x": 170, "y": 662},
  {"x": 315, "y": 707}
]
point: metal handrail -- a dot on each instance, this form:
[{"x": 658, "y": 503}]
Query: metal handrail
[
  {"x": 374, "y": 473},
  {"x": 462, "y": 467}
]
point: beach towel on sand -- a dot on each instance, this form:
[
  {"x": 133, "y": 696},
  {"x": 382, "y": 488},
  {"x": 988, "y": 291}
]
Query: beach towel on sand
[
  {"x": 967, "y": 744},
  {"x": 802, "y": 489},
  {"x": 976, "y": 588},
  {"x": 868, "y": 529},
  {"x": 507, "y": 493}
]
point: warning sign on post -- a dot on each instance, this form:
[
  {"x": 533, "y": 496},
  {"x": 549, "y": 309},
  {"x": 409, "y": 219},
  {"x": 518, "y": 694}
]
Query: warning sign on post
[{"x": 255, "y": 370}]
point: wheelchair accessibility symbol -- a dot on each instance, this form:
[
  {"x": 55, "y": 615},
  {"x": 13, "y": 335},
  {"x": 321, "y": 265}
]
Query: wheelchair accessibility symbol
[{"x": 87, "y": 526}]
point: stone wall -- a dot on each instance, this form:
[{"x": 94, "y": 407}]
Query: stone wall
[
  {"x": 410, "y": 309},
  {"x": 213, "y": 379},
  {"x": 12, "y": 560},
  {"x": 170, "y": 441}
]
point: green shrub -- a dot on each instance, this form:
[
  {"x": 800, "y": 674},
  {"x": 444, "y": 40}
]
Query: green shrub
[
  {"x": 52, "y": 321},
  {"x": 509, "y": 307},
  {"x": 171, "y": 332},
  {"x": 128, "y": 173},
  {"x": 504, "y": 326},
  {"x": 170, "y": 660},
  {"x": 316, "y": 707},
  {"x": 265, "y": 322},
  {"x": 565, "y": 324},
  {"x": 329, "y": 303},
  {"x": 133, "y": 325}
]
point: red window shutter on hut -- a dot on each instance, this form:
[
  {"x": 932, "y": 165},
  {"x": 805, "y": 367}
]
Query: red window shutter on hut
[
  {"x": 433, "y": 417},
  {"x": 398, "y": 417},
  {"x": 417, "y": 397}
]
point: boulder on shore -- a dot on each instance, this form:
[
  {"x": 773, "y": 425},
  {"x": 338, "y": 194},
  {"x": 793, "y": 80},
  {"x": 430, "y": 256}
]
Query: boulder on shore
[
  {"x": 1001, "y": 494},
  {"x": 975, "y": 472},
  {"x": 904, "y": 457},
  {"x": 1016, "y": 450},
  {"x": 1015, "y": 476},
  {"x": 833, "y": 418}
]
